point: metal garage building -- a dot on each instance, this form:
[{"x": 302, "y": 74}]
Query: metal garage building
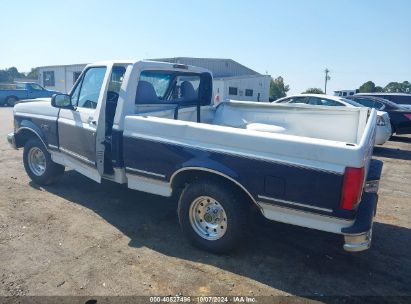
[{"x": 232, "y": 80}]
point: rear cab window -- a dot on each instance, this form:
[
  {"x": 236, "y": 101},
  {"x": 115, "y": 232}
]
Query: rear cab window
[{"x": 168, "y": 87}]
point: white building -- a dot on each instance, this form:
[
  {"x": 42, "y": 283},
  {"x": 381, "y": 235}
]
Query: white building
[
  {"x": 60, "y": 77},
  {"x": 232, "y": 80},
  {"x": 343, "y": 93}
]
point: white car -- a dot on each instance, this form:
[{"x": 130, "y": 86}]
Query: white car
[{"x": 384, "y": 130}]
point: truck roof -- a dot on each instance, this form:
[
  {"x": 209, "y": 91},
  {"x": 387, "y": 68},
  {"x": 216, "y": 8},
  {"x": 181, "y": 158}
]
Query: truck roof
[{"x": 152, "y": 64}]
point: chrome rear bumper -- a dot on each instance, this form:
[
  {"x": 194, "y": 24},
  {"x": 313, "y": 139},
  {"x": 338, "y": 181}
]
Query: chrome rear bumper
[{"x": 359, "y": 242}]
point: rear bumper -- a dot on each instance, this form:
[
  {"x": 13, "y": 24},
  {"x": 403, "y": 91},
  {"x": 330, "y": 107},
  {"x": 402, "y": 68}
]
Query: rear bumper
[
  {"x": 382, "y": 134},
  {"x": 358, "y": 236},
  {"x": 11, "y": 140}
]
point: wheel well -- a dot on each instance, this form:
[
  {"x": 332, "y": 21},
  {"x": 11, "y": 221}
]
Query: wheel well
[
  {"x": 24, "y": 135},
  {"x": 183, "y": 178},
  {"x": 11, "y": 96}
]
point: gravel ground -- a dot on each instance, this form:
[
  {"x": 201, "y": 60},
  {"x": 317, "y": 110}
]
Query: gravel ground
[{"x": 82, "y": 238}]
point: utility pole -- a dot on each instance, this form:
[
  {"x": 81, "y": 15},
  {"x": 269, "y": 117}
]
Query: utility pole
[{"x": 327, "y": 77}]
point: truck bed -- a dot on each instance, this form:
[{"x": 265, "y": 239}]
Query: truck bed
[{"x": 286, "y": 133}]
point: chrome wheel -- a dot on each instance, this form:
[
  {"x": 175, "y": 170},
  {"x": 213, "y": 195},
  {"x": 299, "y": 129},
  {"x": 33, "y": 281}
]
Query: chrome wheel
[
  {"x": 208, "y": 218},
  {"x": 37, "y": 161}
]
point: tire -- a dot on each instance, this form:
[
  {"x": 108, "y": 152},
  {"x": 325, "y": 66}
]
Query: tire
[
  {"x": 225, "y": 229},
  {"x": 11, "y": 101},
  {"x": 38, "y": 164}
]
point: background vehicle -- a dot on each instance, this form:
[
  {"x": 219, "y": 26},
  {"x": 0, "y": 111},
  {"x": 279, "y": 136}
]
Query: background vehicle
[
  {"x": 152, "y": 126},
  {"x": 384, "y": 130},
  {"x": 23, "y": 90},
  {"x": 400, "y": 116},
  {"x": 402, "y": 99}
]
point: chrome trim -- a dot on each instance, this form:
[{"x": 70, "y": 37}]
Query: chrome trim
[
  {"x": 157, "y": 140},
  {"x": 358, "y": 242},
  {"x": 215, "y": 172},
  {"x": 372, "y": 186},
  {"x": 53, "y": 146},
  {"x": 11, "y": 140},
  {"x": 294, "y": 203},
  {"x": 31, "y": 130},
  {"x": 78, "y": 156},
  {"x": 40, "y": 116},
  {"x": 145, "y": 172},
  {"x": 304, "y": 218}
]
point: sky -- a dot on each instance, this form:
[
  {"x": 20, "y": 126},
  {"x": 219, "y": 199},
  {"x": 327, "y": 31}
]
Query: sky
[{"x": 296, "y": 39}]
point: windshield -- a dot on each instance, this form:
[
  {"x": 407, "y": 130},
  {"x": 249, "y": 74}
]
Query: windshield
[{"x": 391, "y": 104}]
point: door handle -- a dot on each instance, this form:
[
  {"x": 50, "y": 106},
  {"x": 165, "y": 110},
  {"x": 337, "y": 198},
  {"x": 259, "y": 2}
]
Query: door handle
[{"x": 91, "y": 121}]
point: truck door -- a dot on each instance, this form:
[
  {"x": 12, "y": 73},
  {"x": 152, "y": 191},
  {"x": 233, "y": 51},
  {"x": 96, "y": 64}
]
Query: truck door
[
  {"x": 106, "y": 120},
  {"x": 77, "y": 127}
]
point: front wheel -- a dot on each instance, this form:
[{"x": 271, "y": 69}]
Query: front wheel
[
  {"x": 212, "y": 216},
  {"x": 38, "y": 164}
]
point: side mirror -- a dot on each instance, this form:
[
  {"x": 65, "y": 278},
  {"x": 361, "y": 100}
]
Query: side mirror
[{"x": 61, "y": 101}]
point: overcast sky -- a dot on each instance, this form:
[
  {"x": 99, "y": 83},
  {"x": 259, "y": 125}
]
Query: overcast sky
[{"x": 357, "y": 40}]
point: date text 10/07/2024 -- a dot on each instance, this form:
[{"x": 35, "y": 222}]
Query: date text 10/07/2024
[{"x": 202, "y": 299}]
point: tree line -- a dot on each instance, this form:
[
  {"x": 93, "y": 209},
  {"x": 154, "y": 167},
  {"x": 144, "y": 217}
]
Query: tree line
[
  {"x": 8, "y": 75},
  {"x": 279, "y": 89}
]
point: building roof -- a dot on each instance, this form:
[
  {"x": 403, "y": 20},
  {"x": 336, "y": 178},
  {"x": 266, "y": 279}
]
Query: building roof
[
  {"x": 63, "y": 65},
  {"x": 385, "y": 94},
  {"x": 218, "y": 66}
]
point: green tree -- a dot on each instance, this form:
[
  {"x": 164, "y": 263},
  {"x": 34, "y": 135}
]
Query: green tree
[
  {"x": 379, "y": 89},
  {"x": 313, "y": 91},
  {"x": 367, "y": 87},
  {"x": 8, "y": 75},
  {"x": 398, "y": 87},
  {"x": 278, "y": 89},
  {"x": 33, "y": 74}
]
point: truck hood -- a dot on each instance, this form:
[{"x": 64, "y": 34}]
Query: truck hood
[
  {"x": 48, "y": 99},
  {"x": 40, "y": 106}
]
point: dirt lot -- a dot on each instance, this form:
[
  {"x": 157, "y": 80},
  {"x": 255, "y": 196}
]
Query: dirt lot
[{"x": 82, "y": 238}]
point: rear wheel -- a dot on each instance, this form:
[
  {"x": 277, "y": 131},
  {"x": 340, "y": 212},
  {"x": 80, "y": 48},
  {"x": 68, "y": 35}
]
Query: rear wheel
[
  {"x": 11, "y": 101},
  {"x": 212, "y": 216},
  {"x": 38, "y": 164}
]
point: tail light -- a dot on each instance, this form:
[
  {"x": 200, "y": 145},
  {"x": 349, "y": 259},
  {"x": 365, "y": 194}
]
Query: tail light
[
  {"x": 352, "y": 187},
  {"x": 408, "y": 116},
  {"x": 380, "y": 121}
]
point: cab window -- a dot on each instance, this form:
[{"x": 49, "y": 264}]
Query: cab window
[
  {"x": 293, "y": 100},
  {"x": 35, "y": 87},
  {"x": 87, "y": 91},
  {"x": 323, "y": 102}
]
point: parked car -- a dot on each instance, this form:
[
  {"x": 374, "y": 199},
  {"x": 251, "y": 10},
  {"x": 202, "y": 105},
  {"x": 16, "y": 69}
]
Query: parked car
[
  {"x": 152, "y": 126},
  {"x": 400, "y": 116},
  {"x": 23, "y": 90},
  {"x": 384, "y": 130},
  {"x": 402, "y": 99}
]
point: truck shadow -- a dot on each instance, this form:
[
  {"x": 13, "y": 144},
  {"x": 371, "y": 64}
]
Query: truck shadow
[
  {"x": 403, "y": 139},
  {"x": 392, "y": 153},
  {"x": 295, "y": 260}
]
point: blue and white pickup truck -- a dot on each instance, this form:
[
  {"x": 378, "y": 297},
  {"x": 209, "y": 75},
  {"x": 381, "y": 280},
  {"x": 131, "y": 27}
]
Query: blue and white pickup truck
[
  {"x": 151, "y": 126},
  {"x": 23, "y": 91}
]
